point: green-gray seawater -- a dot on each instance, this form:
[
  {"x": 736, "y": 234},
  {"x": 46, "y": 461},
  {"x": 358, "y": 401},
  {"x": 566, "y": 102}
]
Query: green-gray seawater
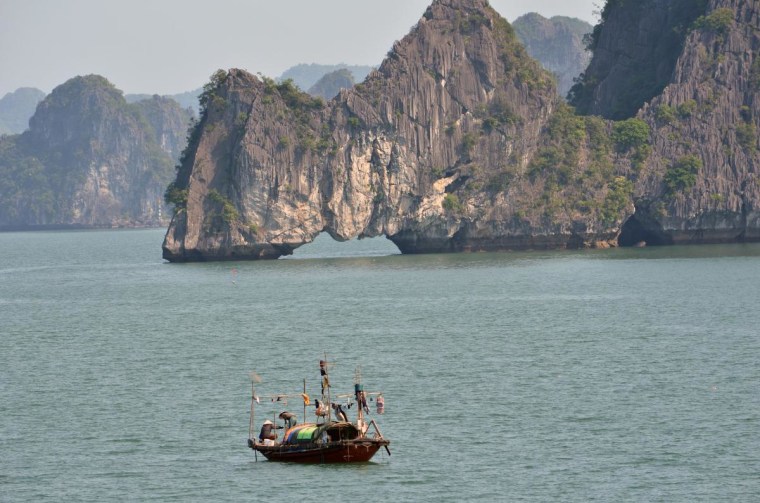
[{"x": 608, "y": 375}]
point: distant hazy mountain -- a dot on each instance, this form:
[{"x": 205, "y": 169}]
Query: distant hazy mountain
[
  {"x": 557, "y": 43},
  {"x": 330, "y": 85},
  {"x": 89, "y": 158},
  {"x": 187, "y": 99},
  {"x": 17, "y": 107},
  {"x": 306, "y": 75}
]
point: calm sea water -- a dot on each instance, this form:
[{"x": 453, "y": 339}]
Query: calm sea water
[{"x": 615, "y": 375}]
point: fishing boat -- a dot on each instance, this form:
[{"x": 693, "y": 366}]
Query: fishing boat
[{"x": 332, "y": 438}]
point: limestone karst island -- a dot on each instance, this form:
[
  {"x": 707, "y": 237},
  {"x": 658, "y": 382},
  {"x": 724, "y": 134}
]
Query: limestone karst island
[{"x": 458, "y": 141}]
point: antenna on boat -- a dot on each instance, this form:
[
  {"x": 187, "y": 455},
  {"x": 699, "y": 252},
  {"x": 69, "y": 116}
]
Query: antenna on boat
[
  {"x": 255, "y": 378},
  {"x": 253, "y": 398},
  {"x": 361, "y": 401},
  {"x": 326, "y": 384}
]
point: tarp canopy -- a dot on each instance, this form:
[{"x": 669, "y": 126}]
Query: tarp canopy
[
  {"x": 300, "y": 434},
  {"x": 308, "y": 433}
]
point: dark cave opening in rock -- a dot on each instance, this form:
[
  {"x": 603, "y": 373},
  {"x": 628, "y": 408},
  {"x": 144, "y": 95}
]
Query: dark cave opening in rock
[{"x": 641, "y": 231}]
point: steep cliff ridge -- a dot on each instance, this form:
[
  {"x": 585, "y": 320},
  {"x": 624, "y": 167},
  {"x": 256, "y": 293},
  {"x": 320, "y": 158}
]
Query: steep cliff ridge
[
  {"x": 702, "y": 183},
  {"x": 635, "y": 49},
  {"x": 248, "y": 182},
  {"x": 90, "y": 159},
  {"x": 458, "y": 142},
  {"x": 456, "y": 104}
]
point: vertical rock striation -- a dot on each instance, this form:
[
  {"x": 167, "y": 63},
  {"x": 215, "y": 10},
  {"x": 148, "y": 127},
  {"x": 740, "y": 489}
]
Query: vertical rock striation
[
  {"x": 459, "y": 141},
  {"x": 455, "y": 103},
  {"x": 701, "y": 183}
]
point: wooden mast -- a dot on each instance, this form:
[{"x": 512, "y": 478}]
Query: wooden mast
[
  {"x": 329, "y": 396},
  {"x": 251, "y": 437},
  {"x": 357, "y": 390}
]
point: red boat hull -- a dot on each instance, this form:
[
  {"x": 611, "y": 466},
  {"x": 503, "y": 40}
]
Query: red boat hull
[{"x": 347, "y": 451}]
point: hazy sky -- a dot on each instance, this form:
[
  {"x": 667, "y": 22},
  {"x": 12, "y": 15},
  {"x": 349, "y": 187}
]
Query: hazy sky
[{"x": 172, "y": 46}]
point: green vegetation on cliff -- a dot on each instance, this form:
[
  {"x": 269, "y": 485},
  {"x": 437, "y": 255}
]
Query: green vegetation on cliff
[
  {"x": 221, "y": 213},
  {"x": 631, "y": 136},
  {"x": 718, "y": 21},
  {"x": 557, "y": 160},
  {"x": 682, "y": 174},
  {"x": 295, "y": 99},
  {"x": 300, "y": 105},
  {"x": 176, "y": 197},
  {"x": 746, "y": 135},
  {"x": 576, "y": 164},
  {"x": 459, "y": 142},
  {"x": 209, "y": 96}
]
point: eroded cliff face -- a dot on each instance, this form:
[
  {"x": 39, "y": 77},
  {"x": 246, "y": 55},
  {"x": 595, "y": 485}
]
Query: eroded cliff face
[
  {"x": 431, "y": 150},
  {"x": 459, "y": 142},
  {"x": 701, "y": 183}
]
